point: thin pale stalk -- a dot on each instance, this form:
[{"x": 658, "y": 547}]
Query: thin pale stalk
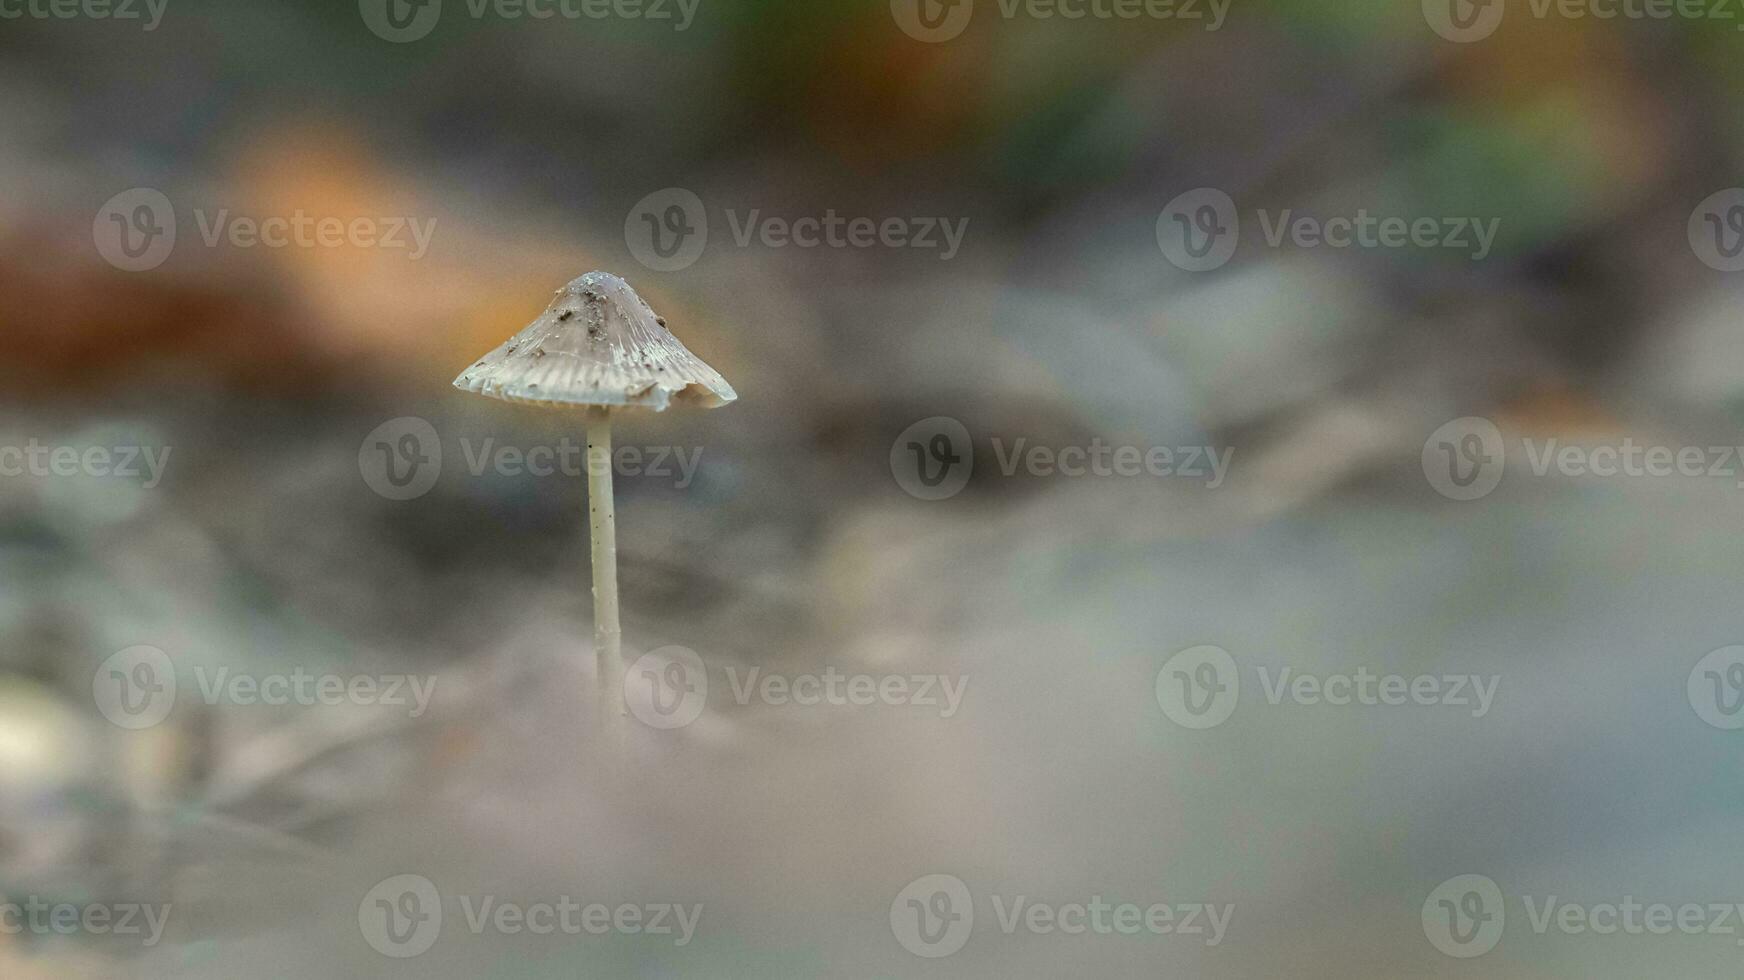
[{"x": 602, "y": 530}]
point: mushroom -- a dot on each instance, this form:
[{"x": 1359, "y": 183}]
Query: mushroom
[{"x": 599, "y": 348}]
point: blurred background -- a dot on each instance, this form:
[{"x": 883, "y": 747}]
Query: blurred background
[{"x": 205, "y": 421}]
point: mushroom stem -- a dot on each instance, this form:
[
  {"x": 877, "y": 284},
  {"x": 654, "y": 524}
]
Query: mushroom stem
[{"x": 602, "y": 531}]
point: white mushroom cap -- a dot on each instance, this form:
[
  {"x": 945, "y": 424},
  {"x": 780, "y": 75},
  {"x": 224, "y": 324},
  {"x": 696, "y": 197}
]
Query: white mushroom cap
[{"x": 597, "y": 344}]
